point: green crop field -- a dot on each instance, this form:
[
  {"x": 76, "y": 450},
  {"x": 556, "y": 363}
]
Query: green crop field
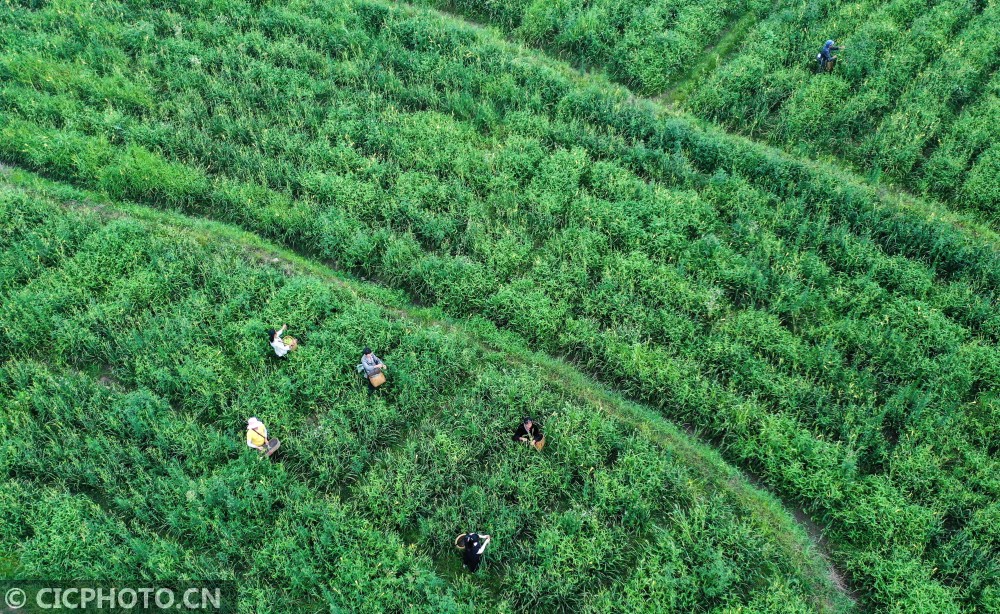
[
  {"x": 647, "y": 45},
  {"x": 834, "y": 339},
  {"x": 137, "y": 354},
  {"x": 915, "y": 98}
]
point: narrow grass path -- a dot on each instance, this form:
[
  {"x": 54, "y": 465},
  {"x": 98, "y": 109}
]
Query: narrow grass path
[
  {"x": 711, "y": 57},
  {"x": 790, "y": 526}
]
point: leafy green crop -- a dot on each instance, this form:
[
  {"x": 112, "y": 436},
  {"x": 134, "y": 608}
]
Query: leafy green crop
[
  {"x": 913, "y": 99},
  {"x": 645, "y": 45},
  {"x": 137, "y": 349},
  {"x": 839, "y": 342}
]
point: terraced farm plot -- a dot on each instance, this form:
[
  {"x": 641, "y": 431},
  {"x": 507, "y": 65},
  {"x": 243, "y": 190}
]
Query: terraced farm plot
[
  {"x": 137, "y": 350},
  {"x": 915, "y": 98},
  {"x": 839, "y": 342}
]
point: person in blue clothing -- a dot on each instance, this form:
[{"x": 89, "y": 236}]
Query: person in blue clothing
[{"x": 826, "y": 59}]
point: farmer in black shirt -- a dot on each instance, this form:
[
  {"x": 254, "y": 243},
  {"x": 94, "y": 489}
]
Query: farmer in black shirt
[
  {"x": 474, "y": 545},
  {"x": 530, "y": 434}
]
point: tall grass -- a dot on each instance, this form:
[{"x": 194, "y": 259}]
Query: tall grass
[
  {"x": 131, "y": 372},
  {"x": 914, "y": 79},
  {"x": 839, "y": 342}
]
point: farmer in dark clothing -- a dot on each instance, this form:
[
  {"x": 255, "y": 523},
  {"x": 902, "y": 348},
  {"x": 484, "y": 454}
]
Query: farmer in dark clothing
[
  {"x": 529, "y": 433},
  {"x": 474, "y": 545},
  {"x": 826, "y": 59}
]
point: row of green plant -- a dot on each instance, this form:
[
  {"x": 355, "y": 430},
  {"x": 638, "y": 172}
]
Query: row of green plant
[
  {"x": 137, "y": 349},
  {"x": 841, "y": 343},
  {"x": 910, "y": 100},
  {"x": 896, "y": 107},
  {"x": 906, "y": 102},
  {"x": 645, "y": 45}
]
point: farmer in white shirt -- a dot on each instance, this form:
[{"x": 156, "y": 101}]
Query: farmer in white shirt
[{"x": 281, "y": 346}]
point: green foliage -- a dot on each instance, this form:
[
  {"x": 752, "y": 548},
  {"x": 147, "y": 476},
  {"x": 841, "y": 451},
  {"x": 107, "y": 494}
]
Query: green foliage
[
  {"x": 645, "y": 45},
  {"x": 122, "y": 444},
  {"x": 912, "y": 99},
  {"x": 839, "y": 342}
]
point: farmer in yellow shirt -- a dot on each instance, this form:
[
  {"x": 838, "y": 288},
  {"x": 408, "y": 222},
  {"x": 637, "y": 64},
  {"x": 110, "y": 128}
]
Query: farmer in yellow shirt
[{"x": 257, "y": 437}]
